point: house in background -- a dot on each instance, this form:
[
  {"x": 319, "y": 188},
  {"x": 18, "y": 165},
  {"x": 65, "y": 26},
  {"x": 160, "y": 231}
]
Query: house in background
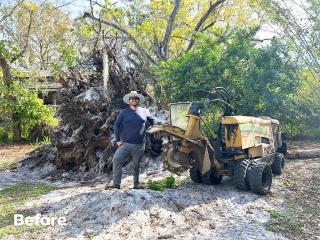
[{"x": 43, "y": 83}]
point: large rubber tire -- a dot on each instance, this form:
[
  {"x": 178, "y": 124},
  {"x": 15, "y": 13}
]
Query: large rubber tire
[
  {"x": 283, "y": 149},
  {"x": 210, "y": 178},
  {"x": 260, "y": 178},
  {"x": 240, "y": 177},
  {"x": 278, "y": 164},
  {"x": 195, "y": 175}
]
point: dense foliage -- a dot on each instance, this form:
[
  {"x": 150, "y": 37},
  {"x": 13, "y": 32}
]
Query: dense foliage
[
  {"x": 28, "y": 111},
  {"x": 263, "y": 79}
]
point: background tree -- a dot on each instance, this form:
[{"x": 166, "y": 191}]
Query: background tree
[
  {"x": 158, "y": 30},
  {"x": 20, "y": 109},
  {"x": 266, "y": 76},
  {"x": 261, "y": 80},
  {"x": 297, "y": 23},
  {"x": 9, "y": 51},
  {"x": 51, "y": 38}
]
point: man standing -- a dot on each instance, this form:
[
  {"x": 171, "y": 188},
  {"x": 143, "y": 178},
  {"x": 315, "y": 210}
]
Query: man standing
[{"x": 129, "y": 130}]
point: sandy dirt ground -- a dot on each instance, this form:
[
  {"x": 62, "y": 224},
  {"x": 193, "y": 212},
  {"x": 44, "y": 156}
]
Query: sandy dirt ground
[
  {"x": 14, "y": 151},
  {"x": 189, "y": 211}
]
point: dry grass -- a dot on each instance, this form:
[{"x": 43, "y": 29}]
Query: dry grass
[
  {"x": 301, "y": 217},
  {"x": 11, "y": 154}
]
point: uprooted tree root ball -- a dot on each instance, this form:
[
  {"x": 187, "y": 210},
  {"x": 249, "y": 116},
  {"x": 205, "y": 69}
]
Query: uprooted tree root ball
[{"x": 89, "y": 104}]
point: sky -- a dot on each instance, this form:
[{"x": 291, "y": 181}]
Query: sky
[{"x": 72, "y": 7}]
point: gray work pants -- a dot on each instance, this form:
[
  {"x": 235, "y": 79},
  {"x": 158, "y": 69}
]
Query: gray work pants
[{"x": 120, "y": 158}]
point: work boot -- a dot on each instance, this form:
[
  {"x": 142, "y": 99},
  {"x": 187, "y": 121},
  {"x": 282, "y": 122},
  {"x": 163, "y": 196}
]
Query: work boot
[
  {"x": 108, "y": 187},
  {"x": 139, "y": 186}
]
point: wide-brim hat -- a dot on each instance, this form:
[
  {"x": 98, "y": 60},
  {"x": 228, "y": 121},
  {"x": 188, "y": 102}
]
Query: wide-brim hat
[{"x": 133, "y": 94}]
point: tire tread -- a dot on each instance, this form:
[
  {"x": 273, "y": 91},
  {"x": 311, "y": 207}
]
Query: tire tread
[
  {"x": 278, "y": 164},
  {"x": 255, "y": 178},
  {"x": 195, "y": 175},
  {"x": 240, "y": 175}
]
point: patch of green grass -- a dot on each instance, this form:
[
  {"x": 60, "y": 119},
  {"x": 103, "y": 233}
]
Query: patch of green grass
[
  {"x": 292, "y": 219},
  {"x": 16, "y": 230},
  {"x": 274, "y": 214},
  {"x": 22, "y": 191},
  {"x": 11, "y": 200},
  {"x": 44, "y": 141},
  {"x": 161, "y": 185},
  {"x": 7, "y": 163}
]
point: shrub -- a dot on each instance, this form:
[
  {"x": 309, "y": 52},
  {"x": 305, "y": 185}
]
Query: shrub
[
  {"x": 24, "y": 109},
  {"x": 161, "y": 185}
]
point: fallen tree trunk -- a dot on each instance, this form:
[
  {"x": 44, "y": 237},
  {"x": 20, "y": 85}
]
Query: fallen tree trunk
[{"x": 303, "y": 153}]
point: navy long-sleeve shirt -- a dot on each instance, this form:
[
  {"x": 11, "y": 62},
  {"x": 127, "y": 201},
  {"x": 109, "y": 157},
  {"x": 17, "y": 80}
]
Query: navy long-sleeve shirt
[{"x": 130, "y": 125}]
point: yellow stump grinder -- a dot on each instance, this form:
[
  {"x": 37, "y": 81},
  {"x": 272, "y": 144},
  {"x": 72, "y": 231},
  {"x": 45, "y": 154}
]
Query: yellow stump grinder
[{"x": 249, "y": 149}]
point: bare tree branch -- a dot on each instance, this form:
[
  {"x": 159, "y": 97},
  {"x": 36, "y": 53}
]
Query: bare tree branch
[
  {"x": 5, "y": 70},
  {"x": 261, "y": 40},
  {"x": 97, "y": 3},
  {"x": 187, "y": 24},
  {"x": 203, "y": 19},
  {"x": 167, "y": 35},
  {"x": 27, "y": 40},
  {"x": 136, "y": 54},
  {"x": 208, "y": 26},
  {"x": 133, "y": 62},
  {"x": 180, "y": 37},
  {"x": 124, "y": 31},
  {"x": 156, "y": 45},
  {"x": 98, "y": 32},
  {"x": 65, "y": 4},
  {"x": 12, "y": 10}
]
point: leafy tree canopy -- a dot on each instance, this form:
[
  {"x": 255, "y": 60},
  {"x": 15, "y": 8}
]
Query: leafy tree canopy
[{"x": 261, "y": 79}]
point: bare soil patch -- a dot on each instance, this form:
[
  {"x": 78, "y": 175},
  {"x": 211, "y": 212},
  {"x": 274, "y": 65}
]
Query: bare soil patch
[
  {"x": 300, "y": 219},
  {"x": 15, "y": 150},
  {"x": 13, "y": 153},
  {"x": 303, "y": 145}
]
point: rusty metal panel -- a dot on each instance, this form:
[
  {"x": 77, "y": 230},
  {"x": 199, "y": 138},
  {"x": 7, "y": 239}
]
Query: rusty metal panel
[
  {"x": 175, "y": 131},
  {"x": 257, "y": 129},
  {"x": 243, "y": 119},
  {"x": 248, "y": 135},
  {"x": 232, "y": 136},
  {"x": 254, "y": 152},
  {"x": 251, "y": 134}
]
